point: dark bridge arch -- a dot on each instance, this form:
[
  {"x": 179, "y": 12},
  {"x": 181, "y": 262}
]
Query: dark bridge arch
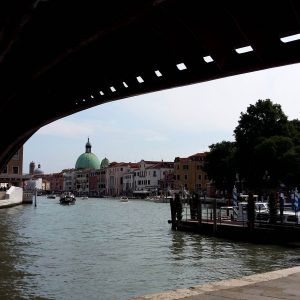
[{"x": 60, "y": 57}]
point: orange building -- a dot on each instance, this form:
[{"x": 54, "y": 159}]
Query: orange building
[{"x": 188, "y": 174}]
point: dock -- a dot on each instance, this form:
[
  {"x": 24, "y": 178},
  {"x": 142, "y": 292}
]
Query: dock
[
  {"x": 275, "y": 285},
  {"x": 250, "y": 229}
]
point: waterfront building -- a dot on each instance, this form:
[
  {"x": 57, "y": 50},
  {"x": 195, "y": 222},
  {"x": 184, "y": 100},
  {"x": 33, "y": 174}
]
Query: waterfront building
[
  {"x": 188, "y": 174},
  {"x": 166, "y": 184},
  {"x": 69, "y": 180},
  {"x": 102, "y": 184},
  {"x": 56, "y": 182},
  {"x": 12, "y": 172},
  {"x": 114, "y": 177},
  {"x": 82, "y": 182},
  {"x": 128, "y": 179},
  {"x": 150, "y": 174},
  {"x": 49, "y": 182},
  {"x": 94, "y": 183}
]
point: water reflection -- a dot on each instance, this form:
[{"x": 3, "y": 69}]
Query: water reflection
[
  {"x": 11, "y": 275},
  {"x": 178, "y": 245},
  {"x": 103, "y": 247}
]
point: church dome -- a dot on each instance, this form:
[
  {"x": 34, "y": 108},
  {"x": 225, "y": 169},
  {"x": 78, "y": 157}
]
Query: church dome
[
  {"x": 104, "y": 163},
  {"x": 87, "y": 160},
  {"x": 38, "y": 170}
]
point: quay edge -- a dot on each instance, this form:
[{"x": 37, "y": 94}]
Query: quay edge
[{"x": 280, "y": 284}]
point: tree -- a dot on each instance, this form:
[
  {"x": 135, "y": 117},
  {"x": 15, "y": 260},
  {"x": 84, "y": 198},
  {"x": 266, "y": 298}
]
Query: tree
[
  {"x": 266, "y": 150},
  {"x": 271, "y": 155},
  {"x": 261, "y": 122},
  {"x": 264, "y": 119},
  {"x": 220, "y": 165}
]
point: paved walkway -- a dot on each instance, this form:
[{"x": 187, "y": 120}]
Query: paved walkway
[
  {"x": 10, "y": 202},
  {"x": 276, "y": 285}
]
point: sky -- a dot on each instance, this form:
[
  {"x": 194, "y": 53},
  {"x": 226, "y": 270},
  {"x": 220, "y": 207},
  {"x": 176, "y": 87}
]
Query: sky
[{"x": 162, "y": 125}]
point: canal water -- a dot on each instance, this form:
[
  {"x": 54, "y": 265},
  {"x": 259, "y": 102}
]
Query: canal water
[{"x": 106, "y": 249}]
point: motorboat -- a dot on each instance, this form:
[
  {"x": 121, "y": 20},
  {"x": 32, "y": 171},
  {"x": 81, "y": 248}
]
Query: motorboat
[
  {"x": 51, "y": 196},
  {"x": 67, "y": 198},
  {"x": 85, "y": 197},
  {"x": 124, "y": 199}
]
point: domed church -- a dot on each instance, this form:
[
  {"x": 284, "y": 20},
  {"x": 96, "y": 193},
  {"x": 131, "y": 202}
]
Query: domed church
[
  {"x": 104, "y": 163},
  {"x": 87, "y": 160}
]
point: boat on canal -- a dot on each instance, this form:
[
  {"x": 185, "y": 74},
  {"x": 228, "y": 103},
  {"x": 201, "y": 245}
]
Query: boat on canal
[
  {"x": 67, "y": 198},
  {"x": 124, "y": 199}
]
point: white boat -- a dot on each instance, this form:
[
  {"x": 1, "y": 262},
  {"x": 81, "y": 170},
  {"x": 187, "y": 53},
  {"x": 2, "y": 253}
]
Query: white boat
[
  {"x": 124, "y": 199},
  {"x": 85, "y": 197}
]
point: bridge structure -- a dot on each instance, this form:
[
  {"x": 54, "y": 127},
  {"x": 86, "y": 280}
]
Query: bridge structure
[{"x": 58, "y": 57}]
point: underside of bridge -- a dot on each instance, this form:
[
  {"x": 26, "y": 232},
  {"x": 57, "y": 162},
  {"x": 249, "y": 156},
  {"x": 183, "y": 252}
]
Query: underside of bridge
[{"x": 58, "y": 57}]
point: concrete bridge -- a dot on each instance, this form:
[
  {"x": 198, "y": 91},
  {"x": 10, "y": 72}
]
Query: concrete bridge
[{"x": 58, "y": 57}]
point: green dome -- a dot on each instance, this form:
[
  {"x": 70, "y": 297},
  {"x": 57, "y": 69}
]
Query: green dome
[
  {"x": 104, "y": 163},
  {"x": 87, "y": 161}
]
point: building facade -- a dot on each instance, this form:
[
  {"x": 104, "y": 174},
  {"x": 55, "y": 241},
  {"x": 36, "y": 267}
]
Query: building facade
[
  {"x": 188, "y": 174},
  {"x": 12, "y": 173}
]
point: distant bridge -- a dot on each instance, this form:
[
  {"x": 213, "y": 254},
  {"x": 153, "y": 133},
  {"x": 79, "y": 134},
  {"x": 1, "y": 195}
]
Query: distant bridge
[{"x": 58, "y": 57}]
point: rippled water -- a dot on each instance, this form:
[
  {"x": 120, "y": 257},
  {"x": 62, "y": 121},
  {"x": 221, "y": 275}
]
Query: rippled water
[{"x": 106, "y": 249}]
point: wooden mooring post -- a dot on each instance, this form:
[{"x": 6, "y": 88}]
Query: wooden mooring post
[
  {"x": 173, "y": 213},
  {"x": 199, "y": 210},
  {"x": 215, "y": 215}
]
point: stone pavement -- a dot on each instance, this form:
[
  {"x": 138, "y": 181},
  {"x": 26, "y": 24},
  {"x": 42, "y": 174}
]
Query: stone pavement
[{"x": 281, "y": 284}]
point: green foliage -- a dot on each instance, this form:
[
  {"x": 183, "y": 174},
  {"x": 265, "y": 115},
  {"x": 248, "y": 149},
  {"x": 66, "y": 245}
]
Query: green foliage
[
  {"x": 220, "y": 164},
  {"x": 270, "y": 155},
  {"x": 264, "y": 119},
  {"x": 266, "y": 143}
]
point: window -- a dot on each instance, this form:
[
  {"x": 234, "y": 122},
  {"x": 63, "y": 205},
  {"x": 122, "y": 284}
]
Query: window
[
  {"x": 154, "y": 173},
  {"x": 4, "y": 170},
  {"x": 15, "y": 170},
  {"x": 185, "y": 167},
  {"x": 185, "y": 177},
  {"x": 199, "y": 177}
]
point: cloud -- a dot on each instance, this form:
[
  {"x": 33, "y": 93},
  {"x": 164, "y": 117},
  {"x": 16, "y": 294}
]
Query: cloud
[
  {"x": 78, "y": 128},
  {"x": 66, "y": 128}
]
